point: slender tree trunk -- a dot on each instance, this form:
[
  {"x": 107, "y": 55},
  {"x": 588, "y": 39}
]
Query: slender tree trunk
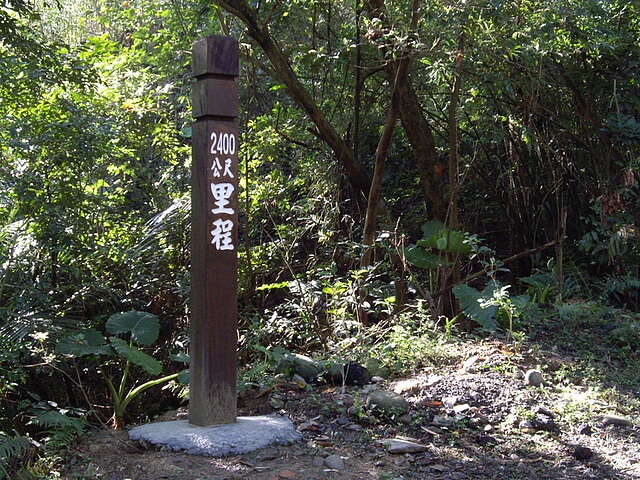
[
  {"x": 401, "y": 69},
  {"x": 417, "y": 128},
  {"x": 376, "y": 183},
  {"x": 357, "y": 94},
  {"x": 452, "y": 275},
  {"x": 374, "y": 198},
  {"x": 454, "y": 222}
]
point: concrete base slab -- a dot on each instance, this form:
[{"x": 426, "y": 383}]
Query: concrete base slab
[{"x": 246, "y": 435}]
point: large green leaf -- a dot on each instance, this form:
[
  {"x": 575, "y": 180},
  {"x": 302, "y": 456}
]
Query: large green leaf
[
  {"x": 183, "y": 377},
  {"x": 144, "y": 327},
  {"x": 438, "y": 237},
  {"x": 430, "y": 234},
  {"x": 422, "y": 258},
  {"x": 84, "y": 342},
  {"x": 471, "y": 301},
  {"x": 181, "y": 357},
  {"x": 456, "y": 242},
  {"x": 135, "y": 356}
]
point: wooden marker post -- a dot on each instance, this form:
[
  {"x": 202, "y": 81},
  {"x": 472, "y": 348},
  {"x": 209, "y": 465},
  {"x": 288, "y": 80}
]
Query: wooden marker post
[{"x": 214, "y": 225}]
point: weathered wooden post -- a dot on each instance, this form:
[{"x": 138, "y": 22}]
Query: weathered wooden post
[{"x": 214, "y": 221}]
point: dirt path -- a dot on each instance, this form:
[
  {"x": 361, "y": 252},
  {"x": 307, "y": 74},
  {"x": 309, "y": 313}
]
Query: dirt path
[{"x": 476, "y": 419}]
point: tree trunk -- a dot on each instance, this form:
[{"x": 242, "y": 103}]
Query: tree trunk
[
  {"x": 354, "y": 170},
  {"x": 375, "y": 192},
  {"x": 419, "y": 132}
]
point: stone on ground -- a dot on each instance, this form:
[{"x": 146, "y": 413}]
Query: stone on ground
[
  {"x": 400, "y": 446},
  {"x": 533, "y": 378},
  {"x": 387, "y": 402},
  {"x": 334, "y": 462}
]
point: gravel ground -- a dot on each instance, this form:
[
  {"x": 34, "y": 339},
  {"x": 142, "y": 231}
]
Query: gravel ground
[{"x": 476, "y": 418}]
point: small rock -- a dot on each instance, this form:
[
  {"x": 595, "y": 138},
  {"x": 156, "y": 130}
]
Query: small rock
[
  {"x": 478, "y": 420},
  {"x": 485, "y": 440},
  {"x": 449, "y": 402},
  {"x": 334, "y": 462},
  {"x": 318, "y": 462},
  {"x": 387, "y": 401},
  {"x": 543, "y": 422},
  {"x": 308, "y": 426},
  {"x": 292, "y": 363},
  {"x": 299, "y": 381},
  {"x": 377, "y": 379},
  {"x": 377, "y": 369},
  {"x": 585, "y": 429},
  {"x": 582, "y": 453},
  {"x": 441, "y": 421},
  {"x": 544, "y": 411},
  {"x": 367, "y": 389},
  {"x": 469, "y": 362},
  {"x": 407, "y": 386},
  {"x": 533, "y": 378},
  {"x": 399, "y": 446},
  {"x": 406, "y": 419},
  {"x": 374, "y": 366},
  {"x": 342, "y": 421},
  {"x": 616, "y": 420},
  {"x": 461, "y": 408},
  {"x": 526, "y": 426}
]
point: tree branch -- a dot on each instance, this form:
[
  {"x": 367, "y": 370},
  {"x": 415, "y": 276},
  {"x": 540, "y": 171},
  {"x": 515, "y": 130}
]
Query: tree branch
[{"x": 356, "y": 174}]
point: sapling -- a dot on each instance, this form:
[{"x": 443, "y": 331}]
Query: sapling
[{"x": 129, "y": 331}]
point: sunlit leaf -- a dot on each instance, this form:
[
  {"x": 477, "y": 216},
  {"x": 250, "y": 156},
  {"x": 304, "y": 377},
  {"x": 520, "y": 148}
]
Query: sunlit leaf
[
  {"x": 84, "y": 342},
  {"x": 136, "y": 356},
  {"x": 144, "y": 327}
]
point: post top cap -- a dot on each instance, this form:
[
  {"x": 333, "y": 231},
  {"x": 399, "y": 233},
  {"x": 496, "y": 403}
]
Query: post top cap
[{"x": 216, "y": 55}]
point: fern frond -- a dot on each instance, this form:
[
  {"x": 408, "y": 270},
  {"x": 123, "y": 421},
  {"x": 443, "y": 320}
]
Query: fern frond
[
  {"x": 616, "y": 284},
  {"x": 55, "y": 419},
  {"x": 61, "y": 438},
  {"x": 61, "y": 429},
  {"x": 13, "y": 446}
]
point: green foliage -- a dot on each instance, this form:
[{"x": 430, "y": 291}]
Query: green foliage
[
  {"x": 405, "y": 346},
  {"x": 602, "y": 341},
  {"x": 51, "y": 430},
  {"x": 142, "y": 328},
  {"x": 408, "y": 342},
  {"x": 12, "y": 370},
  {"x": 84, "y": 342},
  {"x": 436, "y": 245},
  {"x": 60, "y": 425},
  {"x": 95, "y": 156},
  {"x": 491, "y": 305},
  {"x": 541, "y": 285},
  {"x": 476, "y": 305},
  {"x": 12, "y": 448}
]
